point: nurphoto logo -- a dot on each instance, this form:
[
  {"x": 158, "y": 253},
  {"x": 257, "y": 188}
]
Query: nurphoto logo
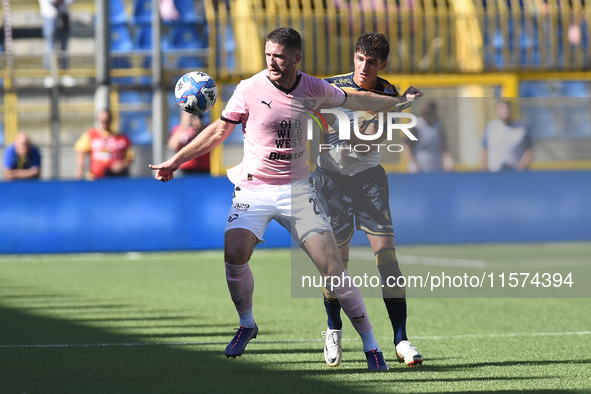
[{"x": 344, "y": 130}]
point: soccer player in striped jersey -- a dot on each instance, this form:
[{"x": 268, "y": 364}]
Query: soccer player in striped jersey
[
  {"x": 273, "y": 181},
  {"x": 353, "y": 188}
]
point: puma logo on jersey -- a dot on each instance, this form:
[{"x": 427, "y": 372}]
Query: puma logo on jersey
[{"x": 267, "y": 104}]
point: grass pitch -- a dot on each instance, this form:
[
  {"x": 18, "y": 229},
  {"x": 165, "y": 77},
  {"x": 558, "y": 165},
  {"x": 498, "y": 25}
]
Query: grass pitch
[{"x": 139, "y": 323}]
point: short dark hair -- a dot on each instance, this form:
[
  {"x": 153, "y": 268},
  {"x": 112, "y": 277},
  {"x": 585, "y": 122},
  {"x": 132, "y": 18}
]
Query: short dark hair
[
  {"x": 374, "y": 45},
  {"x": 287, "y": 37}
]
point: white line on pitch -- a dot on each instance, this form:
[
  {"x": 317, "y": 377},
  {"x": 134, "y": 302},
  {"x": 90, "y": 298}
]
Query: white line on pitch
[
  {"x": 448, "y": 262},
  {"x": 534, "y": 334},
  {"x": 434, "y": 261},
  {"x": 289, "y": 341}
]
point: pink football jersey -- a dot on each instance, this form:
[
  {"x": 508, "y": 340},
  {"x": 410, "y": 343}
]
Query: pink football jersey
[{"x": 274, "y": 122}]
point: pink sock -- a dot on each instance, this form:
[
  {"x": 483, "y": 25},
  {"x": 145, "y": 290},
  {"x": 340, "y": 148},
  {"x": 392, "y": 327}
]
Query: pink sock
[
  {"x": 241, "y": 286},
  {"x": 352, "y": 303}
]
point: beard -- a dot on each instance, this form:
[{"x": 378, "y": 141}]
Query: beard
[
  {"x": 276, "y": 75},
  {"x": 279, "y": 75}
]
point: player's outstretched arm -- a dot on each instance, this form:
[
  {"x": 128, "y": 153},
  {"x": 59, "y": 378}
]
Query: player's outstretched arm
[
  {"x": 412, "y": 93},
  {"x": 209, "y": 138},
  {"x": 367, "y": 100}
]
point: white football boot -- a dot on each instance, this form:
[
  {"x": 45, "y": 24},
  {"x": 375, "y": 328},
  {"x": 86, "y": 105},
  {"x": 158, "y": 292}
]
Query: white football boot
[
  {"x": 333, "y": 353},
  {"x": 408, "y": 354}
]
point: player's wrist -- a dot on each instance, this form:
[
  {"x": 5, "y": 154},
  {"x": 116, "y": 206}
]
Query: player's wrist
[{"x": 176, "y": 161}]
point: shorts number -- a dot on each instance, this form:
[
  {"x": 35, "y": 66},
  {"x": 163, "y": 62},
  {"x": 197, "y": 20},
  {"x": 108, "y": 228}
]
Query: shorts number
[{"x": 318, "y": 210}]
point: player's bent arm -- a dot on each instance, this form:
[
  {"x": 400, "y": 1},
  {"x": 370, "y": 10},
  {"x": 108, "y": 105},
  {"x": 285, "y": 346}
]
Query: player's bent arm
[
  {"x": 366, "y": 100},
  {"x": 371, "y": 129}
]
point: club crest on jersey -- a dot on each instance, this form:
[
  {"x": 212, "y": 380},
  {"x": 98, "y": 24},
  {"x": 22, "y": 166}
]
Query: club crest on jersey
[{"x": 309, "y": 104}]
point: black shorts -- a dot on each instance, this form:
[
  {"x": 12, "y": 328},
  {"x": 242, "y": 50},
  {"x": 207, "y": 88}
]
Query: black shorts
[{"x": 359, "y": 201}]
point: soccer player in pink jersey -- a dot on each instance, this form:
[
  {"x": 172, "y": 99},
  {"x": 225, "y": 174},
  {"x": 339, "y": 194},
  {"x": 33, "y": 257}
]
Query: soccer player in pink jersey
[{"x": 273, "y": 181}]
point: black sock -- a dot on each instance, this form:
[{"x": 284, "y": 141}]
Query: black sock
[
  {"x": 397, "y": 312},
  {"x": 333, "y": 311}
]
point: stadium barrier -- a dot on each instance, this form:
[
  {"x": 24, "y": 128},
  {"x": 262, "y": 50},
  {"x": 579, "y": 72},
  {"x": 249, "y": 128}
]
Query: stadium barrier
[
  {"x": 468, "y": 48},
  {"x": 118, "y": 215},
  {"x": 430, "y": 36},
  {"x": 427, "y": 36}
]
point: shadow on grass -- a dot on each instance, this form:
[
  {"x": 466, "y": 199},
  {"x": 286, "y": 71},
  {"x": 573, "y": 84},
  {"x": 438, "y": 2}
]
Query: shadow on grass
[
  {"x": 135, "y": 365},
  {"x": 221, "y": 325},
  {"x": 145, "y": 318},
  {"x": 122, "y": 369},
  {"x": 80, "y": 307},
  {"x": 148, "y": 368}
]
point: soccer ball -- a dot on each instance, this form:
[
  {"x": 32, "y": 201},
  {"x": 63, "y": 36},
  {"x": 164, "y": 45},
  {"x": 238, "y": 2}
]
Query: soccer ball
[{"x": 196, "y": 92}]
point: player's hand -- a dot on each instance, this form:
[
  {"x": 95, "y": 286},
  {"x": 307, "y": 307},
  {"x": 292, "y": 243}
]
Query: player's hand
[
  {"x": 412, "y": 93},
  {"x": 165, "y": 171}
]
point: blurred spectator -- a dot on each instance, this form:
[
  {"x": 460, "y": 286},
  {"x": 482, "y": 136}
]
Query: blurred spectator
[
  {"x": 575, "y": 34},
  {"x": 110, "y": 154},
  {"x": 181, "y": 135},
  {"x": 22, "y": 160},
  {"x": 506, "y": 144},
  {"x": 429, "y": 153},
  {"x": 56, "y": 29},
  {"x": 168, "y": 11}
]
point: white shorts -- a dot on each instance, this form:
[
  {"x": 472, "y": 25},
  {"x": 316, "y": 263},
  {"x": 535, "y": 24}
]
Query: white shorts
[{"x": 294, "y": 206}]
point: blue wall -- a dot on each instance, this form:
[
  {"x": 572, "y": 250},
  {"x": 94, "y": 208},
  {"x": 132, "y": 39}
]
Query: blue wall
[
  {"x": 190, "y": 213},
  {"x": 485, "y": 207}
]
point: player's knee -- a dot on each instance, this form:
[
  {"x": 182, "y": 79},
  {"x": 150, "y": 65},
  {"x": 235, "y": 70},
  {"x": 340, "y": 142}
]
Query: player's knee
[
  {"x": 386, "y": 256},
  {"x": 238, "y": 246},
  {"x": 388, "y": 264},
  {"x": 236, "y": 255}
]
